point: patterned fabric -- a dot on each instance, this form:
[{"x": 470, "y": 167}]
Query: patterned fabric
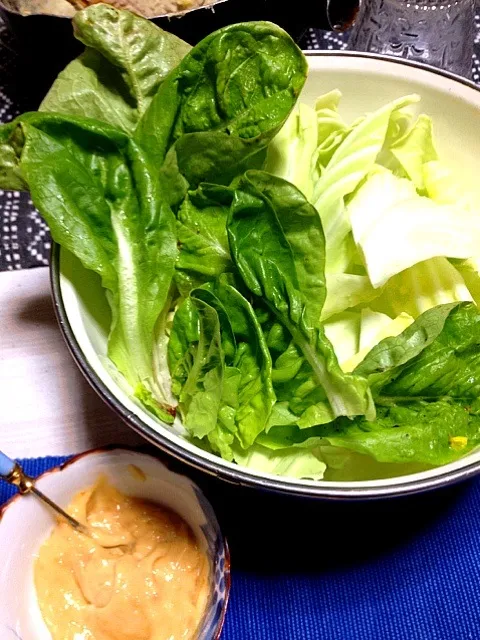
[{"x": 24, "y": 238}]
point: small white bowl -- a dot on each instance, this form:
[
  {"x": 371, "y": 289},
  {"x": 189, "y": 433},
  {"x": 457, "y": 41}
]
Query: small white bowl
[{"x": 25, "y": 523}]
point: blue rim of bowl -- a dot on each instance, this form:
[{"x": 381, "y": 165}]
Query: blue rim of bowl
[
  {"x": 239, "y": 476},
  {"x": 110, "y": 449}
]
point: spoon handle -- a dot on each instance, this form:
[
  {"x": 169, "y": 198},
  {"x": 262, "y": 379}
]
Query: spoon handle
[
  {"x": 7, "y": 465},
  {"x": 12, "y": 472}
]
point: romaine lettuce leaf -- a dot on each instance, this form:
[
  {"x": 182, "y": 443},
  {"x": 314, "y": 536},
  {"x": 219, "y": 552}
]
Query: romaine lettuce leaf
[
  {"x": 251, "y": 358},
  {"x": 241, "y": 81},
  {"x": 200, "y": 397},
  {"x": 96, "y": 190},
  {"x": 433, "y": 434},
  {"x": 182, "y": 345},
  {"x": 426, "y": 387},
  {"x": 375, "y": 327},
  {"x": 11, "y": 144},
  {"x": 221, "y": 368},
  {"x": 387, "y": 358},
  {"x": 125, "y": 61},
  {"x": 204, "y": 253},
  {"x": 277, "y": 243}
]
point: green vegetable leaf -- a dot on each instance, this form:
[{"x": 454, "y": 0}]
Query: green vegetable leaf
[
  {"x": 202, "y": 236},
  {"x": 431, "y": 434},
  {"x": 216, "y": 338},
  {"x": 277, "y": 243},
  {"x": 292, "y": 463},
  {"x": 386, "y": 358},
  {"x": 214, "y": 157},
  {"x": 449, "y": 366},
  {"x": 251, "y": 359},
  {"x": 201, "y": 394},
  {"x": 426, "y": 384},
  {"x": 243, "y": 81},
  {"x": 94, "y": 187},
  {"x": 126, "y": 60},
  {"x": 182, "y": 345},
  {"x": 11, "y": 144}
]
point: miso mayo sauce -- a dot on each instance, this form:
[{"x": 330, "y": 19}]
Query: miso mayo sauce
[{"x": 142, "y": 577}]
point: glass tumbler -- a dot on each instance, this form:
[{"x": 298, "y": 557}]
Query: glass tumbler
[{"x": 434, "y": 32}]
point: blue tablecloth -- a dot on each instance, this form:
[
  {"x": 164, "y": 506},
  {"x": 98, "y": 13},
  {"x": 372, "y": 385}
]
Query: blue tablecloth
[{"x": 404, "y": 569}]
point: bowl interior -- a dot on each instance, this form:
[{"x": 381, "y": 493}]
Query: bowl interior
[
  {"x": 26, "y": 523},
  {"x": 367, "y": 83}
]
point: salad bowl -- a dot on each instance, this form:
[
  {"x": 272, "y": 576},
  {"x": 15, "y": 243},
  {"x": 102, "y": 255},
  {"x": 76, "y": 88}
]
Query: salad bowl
[{"x": 367, "y": 82}]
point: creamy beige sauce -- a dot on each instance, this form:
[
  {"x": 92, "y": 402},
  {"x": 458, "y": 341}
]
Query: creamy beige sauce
[{"x": 142, "y": 577}]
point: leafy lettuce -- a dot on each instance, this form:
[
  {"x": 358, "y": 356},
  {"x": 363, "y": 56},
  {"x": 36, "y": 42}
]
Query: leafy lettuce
[{"x": 299, "y": 290}]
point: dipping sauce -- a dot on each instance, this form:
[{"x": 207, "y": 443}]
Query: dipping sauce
[{"x": 142, "y": 577}]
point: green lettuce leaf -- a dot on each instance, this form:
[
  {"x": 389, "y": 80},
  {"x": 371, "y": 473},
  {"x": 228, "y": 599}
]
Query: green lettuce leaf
[
  {"x": 214, "y": 157},
  {"x": 95, "y": 189},
  {"x": 126, "y": 60},
  {"x": 241, "y": 81},
  {"x": 182, "y": 344},
  {"x": 354, "y": 334},
  {"x": 201, "y": 395},
  {"x": 431, "y": 434},
  {"x": 11, "y": 143},
  {"x": 202, "y": 236},
  {"x": 277, "y": 243},
  {"x": 426, "y": 384},
  {"x": 387, "y": 358},
  {"x": 251, "y": 359},
  {"x": 221, "y": 368}
]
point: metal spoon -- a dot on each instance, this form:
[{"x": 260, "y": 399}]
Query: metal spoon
[{"x": 13, "y": 473}]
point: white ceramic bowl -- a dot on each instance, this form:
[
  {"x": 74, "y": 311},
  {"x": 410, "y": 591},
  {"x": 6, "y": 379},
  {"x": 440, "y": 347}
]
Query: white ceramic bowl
[
  {"x": 25, "y": 523},
  {"x": 367, "y": 82}
]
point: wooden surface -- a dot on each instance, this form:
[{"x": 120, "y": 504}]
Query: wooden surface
[{"x": 46, "y": 406}]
